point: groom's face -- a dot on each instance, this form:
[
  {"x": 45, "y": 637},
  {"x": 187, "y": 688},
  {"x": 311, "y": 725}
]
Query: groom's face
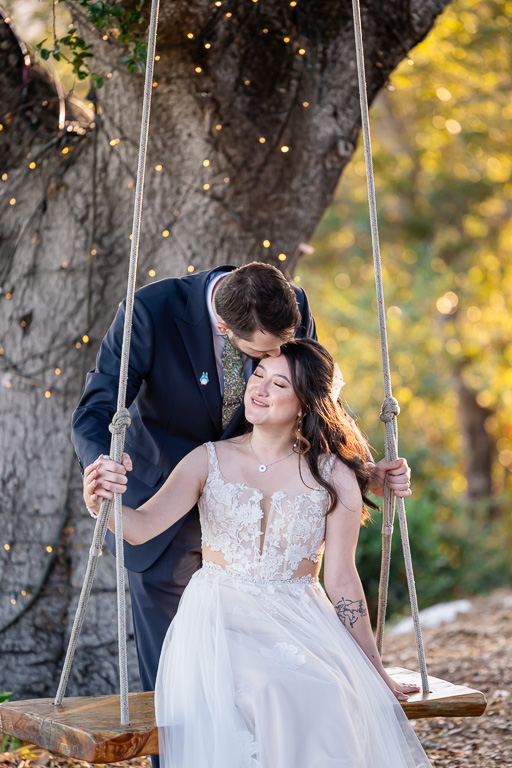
[{"x": 260, "y": 344}]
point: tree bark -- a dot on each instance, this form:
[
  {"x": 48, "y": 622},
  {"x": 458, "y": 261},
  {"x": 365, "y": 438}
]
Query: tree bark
[{"x": 65, "y": 244}]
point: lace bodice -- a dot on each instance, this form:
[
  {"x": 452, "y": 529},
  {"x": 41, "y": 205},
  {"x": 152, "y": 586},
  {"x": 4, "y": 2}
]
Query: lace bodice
[{"x": 231, "y": 518}]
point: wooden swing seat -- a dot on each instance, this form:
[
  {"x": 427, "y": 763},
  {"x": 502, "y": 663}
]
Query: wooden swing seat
[{"x": 88, "y": 728}]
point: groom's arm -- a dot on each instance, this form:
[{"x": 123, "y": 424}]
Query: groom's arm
[{"x": 98, "y": 404}]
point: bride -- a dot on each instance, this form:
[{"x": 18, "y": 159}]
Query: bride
[{"x": 260, "y": 669}]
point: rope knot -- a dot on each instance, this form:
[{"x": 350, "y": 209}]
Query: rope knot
[
  {"x": 390, "y": 409},
  {"x": 120, "y": 422}
]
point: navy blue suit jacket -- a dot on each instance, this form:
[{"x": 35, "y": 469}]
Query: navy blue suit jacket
[{"x": 171, "y": 412}]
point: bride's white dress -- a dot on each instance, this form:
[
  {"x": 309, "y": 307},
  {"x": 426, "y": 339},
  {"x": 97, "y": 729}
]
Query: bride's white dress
[{"x": 256, "y": 670}]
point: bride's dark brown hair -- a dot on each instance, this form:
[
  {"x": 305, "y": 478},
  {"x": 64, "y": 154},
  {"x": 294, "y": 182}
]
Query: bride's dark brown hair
[{"x": 326, "y": 427}]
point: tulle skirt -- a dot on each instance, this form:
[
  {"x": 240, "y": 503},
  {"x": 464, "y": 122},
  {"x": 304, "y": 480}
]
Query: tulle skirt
[{"x": 264, "y": 675}]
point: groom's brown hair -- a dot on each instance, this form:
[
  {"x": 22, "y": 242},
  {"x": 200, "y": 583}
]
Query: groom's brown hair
[{"x": 257, "y": 297}]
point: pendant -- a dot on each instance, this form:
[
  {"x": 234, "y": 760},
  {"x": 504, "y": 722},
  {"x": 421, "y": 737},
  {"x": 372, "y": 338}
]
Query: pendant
[{"x": 262, "y": 468}]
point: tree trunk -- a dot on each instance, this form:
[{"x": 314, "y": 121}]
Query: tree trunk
[
  {"x": 479, "y": 448},
  {"x": 220, "y": 189}
]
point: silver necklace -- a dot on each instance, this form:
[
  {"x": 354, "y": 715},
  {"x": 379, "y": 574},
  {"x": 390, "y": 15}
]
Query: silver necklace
[{"x": 264, "y": 467}]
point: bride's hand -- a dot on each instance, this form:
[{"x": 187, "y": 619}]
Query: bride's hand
[
  {"x": 402, "y": 691},
  {"x": 102, "y": 479}
]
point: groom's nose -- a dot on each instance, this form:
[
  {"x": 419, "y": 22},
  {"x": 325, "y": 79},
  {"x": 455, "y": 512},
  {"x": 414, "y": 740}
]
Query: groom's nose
[{"x": 273, "y": 352}]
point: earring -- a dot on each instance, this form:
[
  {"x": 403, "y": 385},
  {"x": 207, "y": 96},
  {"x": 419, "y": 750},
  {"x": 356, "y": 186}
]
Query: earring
[{"x": 299, "y": 428}]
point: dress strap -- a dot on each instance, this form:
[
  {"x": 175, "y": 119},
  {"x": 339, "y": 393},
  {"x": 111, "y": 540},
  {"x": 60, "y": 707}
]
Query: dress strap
[
  {"x": 212, "y": 458},
  {"x": 327, "y": 465}
]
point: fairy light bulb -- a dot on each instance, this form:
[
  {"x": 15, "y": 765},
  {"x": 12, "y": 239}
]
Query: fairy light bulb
[
  {"x": 206, "y": 163},
  {"x": 152, "y": 273},
  {"x": 266, "y": 243},
  {"x": 165, "y": 233},
  {"x": 285, "y": 149}
]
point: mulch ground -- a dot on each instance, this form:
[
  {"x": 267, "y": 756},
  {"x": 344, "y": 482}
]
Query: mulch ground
[{"x": 474, "y": 650}]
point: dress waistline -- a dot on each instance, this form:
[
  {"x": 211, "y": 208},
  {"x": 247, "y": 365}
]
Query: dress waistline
[{"x": 229, "y": 572}]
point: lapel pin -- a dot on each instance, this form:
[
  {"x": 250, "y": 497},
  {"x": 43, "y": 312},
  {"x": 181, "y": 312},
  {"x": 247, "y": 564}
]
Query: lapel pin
[{"x": 204, "y": 379}]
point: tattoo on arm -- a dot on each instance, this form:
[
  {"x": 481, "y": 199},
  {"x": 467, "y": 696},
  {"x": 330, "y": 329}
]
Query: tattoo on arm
[{"x": 350, "y": 611}]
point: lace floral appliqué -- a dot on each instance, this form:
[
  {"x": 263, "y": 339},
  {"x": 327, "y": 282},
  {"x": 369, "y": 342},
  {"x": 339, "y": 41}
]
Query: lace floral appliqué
[{"x": 285, "y": 654}]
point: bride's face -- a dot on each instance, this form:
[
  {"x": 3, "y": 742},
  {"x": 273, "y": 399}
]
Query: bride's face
[{"x": 269, "y": 397}]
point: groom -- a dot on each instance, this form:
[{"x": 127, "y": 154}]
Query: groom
[{"x": 194, "y": 343}]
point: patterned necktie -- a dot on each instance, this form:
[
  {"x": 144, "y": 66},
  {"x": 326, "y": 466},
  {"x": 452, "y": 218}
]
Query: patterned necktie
[{"x": 234, "y": 381}]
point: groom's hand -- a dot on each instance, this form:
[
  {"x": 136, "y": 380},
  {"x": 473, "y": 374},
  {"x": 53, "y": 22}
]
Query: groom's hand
[{"x": 395, "y": 474}]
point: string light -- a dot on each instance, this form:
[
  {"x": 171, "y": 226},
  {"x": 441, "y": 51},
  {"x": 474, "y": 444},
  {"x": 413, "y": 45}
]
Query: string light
[
  {"x": 302, "y": 51},
  {"x": 228, "y": 15},
  {"x": 207, "y": 46},
  {"x": 13, "y": 601},
  {"x": 218, "y": 127},
  {"x": 47, "y": 394},
  {"x": 49, "y": 549},
  {"x": 198, "y": 70},
  {"x": 1, "y": 127},
  {"x": 65, "y": 150},
  {"x": 218, "y": 4},
  {"x": 190, "y": 268},
  {"x": 293, "y": 4},
  {"x": 58, "y": 371},
  {"x": 158, "y": 167},
  {"x": 262, "y": 139},
  {"x": 247, "y": 82},
  {"x": 266, "y": 243},
  {"x": 113, "y": 142},
  {"x": 282, "y": 257},
  {"x": 155, "y": 84},
  {"x": 32, "y": 166},
  {"x": 7, "y": 547},
  {"x": 157, "y": 58},
  {"x": 165, "y": 233},
  {"x": 226, "y": 179},
  {"x": 12, "y": 201},
  {"x": 190, "y": 35},
  {"x": 93, "y": 251},
  {"x": 85, "y": 338},
  {"x": 64, "y": 265},
  {"x": 4, "y": 177},
  {"x": 78, "y": 344},
  {"x": 285, "y": 149},
  {"x": 305, "y": 104},
  {"x": 8, "y": 295},
  {"x": 152, "y": 273},
  {"x": 109, "y": 75},
  {"x": 265, "y": 31},
  {"x": 206, "y": 187},
  {"x": 206, "y": 163},
  {"x": 286, "y": 39}
]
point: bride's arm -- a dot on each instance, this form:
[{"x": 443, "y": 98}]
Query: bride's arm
[
  {"x": 341, "y": 579},
  {"x": 175, "y": 498}
]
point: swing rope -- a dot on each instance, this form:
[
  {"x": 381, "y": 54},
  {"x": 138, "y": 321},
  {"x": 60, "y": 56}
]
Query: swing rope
[
  {"x": 390, "y": 408},
  {"x": 120, "y": 421}
]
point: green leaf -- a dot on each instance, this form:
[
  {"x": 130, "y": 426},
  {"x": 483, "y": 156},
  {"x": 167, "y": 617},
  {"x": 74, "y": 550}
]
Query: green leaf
[{"x": 4, "y": 695}]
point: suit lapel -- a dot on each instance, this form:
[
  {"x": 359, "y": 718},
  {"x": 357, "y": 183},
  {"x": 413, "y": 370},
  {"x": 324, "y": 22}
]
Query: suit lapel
[{"x": 196, "y": 332}]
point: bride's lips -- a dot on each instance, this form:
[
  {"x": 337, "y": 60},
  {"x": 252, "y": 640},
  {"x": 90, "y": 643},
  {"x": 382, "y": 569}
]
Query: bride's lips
[{"x": 258, "y": 403}]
